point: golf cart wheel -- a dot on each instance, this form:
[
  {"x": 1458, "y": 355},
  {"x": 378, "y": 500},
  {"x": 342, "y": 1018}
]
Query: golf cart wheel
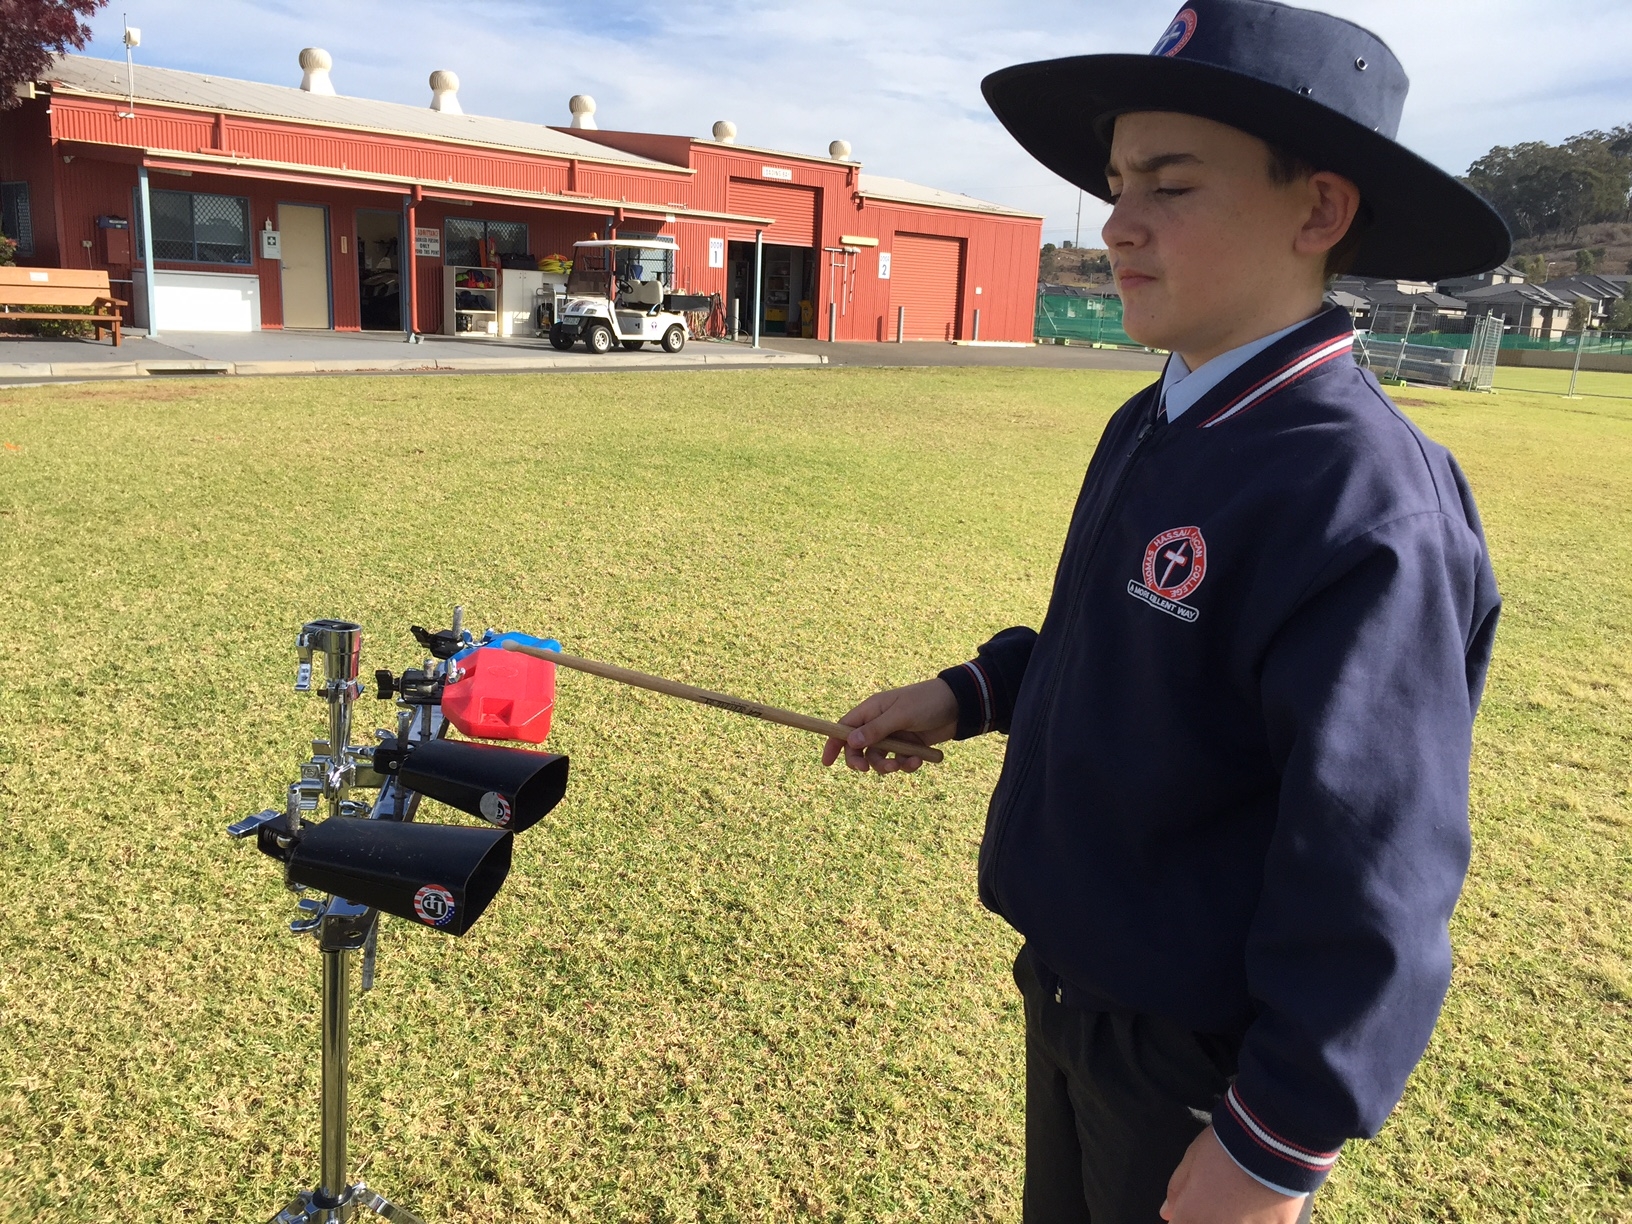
[
  {"x": 598, "y": 338},
  {"x": 674, "y": 339},
  {"x": 559, "y": 340},
  {"x": 632, "y": 345}
]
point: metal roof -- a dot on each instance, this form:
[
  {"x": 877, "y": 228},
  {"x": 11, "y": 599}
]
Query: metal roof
[
  {"x": 107, "y": 79},
  {"x": 878, "y": 187}
]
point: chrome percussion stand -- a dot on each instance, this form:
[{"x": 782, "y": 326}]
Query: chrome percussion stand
[{"x": 340, "y": 927}]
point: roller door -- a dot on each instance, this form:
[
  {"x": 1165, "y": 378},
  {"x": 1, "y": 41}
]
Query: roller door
[
  {"x": 793, "y": 207},
  {"x": 925, "y": 273}
]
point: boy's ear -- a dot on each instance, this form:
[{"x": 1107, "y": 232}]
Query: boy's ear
[{"x": 1334, "y": 208}]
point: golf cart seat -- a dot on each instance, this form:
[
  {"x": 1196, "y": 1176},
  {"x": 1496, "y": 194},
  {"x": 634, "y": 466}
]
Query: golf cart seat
[{"x": 647, "y": 293}]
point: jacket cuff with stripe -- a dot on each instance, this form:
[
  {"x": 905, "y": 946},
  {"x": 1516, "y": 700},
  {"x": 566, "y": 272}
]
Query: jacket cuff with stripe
[
  {"x": 1281, "y": 1162},
  {"x": 987, "y": 685}
]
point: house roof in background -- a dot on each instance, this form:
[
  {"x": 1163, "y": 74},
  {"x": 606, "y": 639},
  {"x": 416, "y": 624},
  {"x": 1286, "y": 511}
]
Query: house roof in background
[
  {"x": 106, "y": 79},
  {"x": 1597, "y": 288},
  {"x": 1536, "y": 295},
  {"x": 1351, "y": 302}
]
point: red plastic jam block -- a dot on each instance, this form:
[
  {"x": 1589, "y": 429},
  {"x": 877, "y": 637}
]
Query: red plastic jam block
[{"x": 503, "y": 695}]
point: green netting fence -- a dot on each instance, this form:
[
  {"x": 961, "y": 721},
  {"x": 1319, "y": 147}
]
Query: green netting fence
[
  {"x": 1091, "y": 320},
  {"x": 1611, "y": 343}
]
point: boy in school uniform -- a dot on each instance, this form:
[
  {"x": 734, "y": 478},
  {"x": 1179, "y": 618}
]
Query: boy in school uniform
[{"x": 1232, "y": 822}]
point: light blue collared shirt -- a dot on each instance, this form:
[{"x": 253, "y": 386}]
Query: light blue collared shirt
[{"x": 1182, "y": 387}]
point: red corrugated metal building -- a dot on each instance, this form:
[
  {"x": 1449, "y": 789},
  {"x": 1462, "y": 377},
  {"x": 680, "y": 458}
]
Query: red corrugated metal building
[{"x": 354, "y": 189}]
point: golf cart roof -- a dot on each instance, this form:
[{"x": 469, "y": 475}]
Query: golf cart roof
[{"x": 652, "y": 242}]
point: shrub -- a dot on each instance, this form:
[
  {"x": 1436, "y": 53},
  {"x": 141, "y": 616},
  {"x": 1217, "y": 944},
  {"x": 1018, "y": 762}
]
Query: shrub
[{"x": 17, "y": 322}]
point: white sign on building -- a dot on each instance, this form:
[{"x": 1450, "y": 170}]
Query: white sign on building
[
  {"x": 883, "y": 265},
  {"x": 716, "y": 252},
  {"x": 776, "y": 172},
  {"x": 427, "y": 242}
]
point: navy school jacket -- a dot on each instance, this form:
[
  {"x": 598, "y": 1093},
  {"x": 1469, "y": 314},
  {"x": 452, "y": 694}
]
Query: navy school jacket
[{"x": 1236, "y": 787}]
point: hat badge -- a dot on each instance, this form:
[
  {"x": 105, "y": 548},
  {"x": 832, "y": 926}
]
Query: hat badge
[{"x": 1176, "y": 35}]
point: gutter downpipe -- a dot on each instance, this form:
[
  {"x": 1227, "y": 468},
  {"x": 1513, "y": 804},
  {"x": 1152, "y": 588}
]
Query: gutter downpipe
[
  {"x": 759, "y": 280},
  {"x": 410, "y": 269},
  {"x": 147, "y": 252}
]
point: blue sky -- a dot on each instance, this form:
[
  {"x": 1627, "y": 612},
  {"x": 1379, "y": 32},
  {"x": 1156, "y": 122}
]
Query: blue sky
[{"x": 900, "y": 81}]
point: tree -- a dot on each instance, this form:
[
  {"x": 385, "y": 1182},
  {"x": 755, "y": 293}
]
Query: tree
[
  {"x": 1048, "y": 262},
  {"x": 1538, "y": 187},
  {"x": 32, "y": 33},
  {"x": 1586, "y": 261},
  {"x": 1620, "y": 315},
  {"x": 1534, "y": 268},
  {"x": 1580, "y": 315}
]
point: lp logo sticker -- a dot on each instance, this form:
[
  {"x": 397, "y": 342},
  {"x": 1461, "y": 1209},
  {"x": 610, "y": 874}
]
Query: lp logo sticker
[{"x": 434, "y": 905}]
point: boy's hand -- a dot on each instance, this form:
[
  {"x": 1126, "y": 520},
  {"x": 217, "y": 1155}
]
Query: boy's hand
[
  {"x": 926, "y": 712},
  {"x": 1210, "y": 1188}
]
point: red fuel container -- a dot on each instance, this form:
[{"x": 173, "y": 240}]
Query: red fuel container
[{"x": 503, "y": 695}]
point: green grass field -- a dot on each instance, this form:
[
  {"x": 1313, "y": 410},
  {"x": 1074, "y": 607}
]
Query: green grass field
[
  {"x": 1594, "y": 383},
  {"x": 721, "y": 984}
]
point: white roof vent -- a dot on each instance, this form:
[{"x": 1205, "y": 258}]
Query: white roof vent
[
  {"x": 582, "y": 107},
  {"x": 445, "y": 92},
  {"x": 315, "y": 63},
  {"x": 725, "y": 132},
  {"x": 839, "y": 150}
]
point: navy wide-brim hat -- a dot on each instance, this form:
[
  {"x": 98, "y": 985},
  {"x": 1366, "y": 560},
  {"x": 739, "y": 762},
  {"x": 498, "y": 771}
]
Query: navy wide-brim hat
[{"x": 1312, "y": 84}]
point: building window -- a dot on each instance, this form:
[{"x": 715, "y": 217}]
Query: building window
[
  {"x": 16, "y": 222},
  {"x": 192, "y": 228},
  {"x": 462, "y": 240}
]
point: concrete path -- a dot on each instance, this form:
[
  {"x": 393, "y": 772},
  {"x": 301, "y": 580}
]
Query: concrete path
[
  {"x": 31, "y": 359},
  {"x": 28, "y": 359},
  {"x": 930, "y": 353}
]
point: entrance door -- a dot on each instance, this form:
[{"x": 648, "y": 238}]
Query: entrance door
[
  {"x": 787, "y": 285},
  {"x": 379, "y": 268},
  {"x": 305, "y": 247},
  {"x": 925, "y": 273}
]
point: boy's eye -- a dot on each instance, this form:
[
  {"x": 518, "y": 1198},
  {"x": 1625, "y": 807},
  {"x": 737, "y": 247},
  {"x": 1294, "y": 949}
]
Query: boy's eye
[{"x": 1172, "y": 191}]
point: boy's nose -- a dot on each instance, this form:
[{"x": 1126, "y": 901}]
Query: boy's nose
[{"x": 1123, "y": 229}]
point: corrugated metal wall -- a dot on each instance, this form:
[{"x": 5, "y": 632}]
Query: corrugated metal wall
[
  {"x": 793, "y": 205},
  {"x": 26, "y": 157},
  {"x": 814, "y": 207}
]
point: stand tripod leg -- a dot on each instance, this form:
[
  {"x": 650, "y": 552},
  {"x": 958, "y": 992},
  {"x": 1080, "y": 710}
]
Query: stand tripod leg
[
  {"x": 336, "y": 1056},
  {"x": 384, "y": 1207}
]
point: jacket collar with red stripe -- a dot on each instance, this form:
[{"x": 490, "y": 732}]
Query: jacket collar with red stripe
[{"x": 1324, "y": 341}]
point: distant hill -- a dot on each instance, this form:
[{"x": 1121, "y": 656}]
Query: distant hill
[
  {"x": 1609, "y": 242},
  {"x": 1070, "y": 265}
]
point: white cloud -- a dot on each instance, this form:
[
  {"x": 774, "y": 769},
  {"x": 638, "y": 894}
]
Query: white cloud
[{"x": 901, "y": 82}]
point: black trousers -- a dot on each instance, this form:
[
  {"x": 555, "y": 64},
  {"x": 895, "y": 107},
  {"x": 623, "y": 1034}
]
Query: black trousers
[{"x": 1112, "y": 1102}]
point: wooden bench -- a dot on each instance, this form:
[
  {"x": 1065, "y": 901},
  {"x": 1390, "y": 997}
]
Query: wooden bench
[{"x": 61, "y": 287}]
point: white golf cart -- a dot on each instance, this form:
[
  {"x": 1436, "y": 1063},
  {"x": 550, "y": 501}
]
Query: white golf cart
[{"x": 620, "y": 290}]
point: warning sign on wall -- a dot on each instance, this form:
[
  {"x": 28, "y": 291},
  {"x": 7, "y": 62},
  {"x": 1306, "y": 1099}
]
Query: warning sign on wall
[{"x": 427, "y": 243}]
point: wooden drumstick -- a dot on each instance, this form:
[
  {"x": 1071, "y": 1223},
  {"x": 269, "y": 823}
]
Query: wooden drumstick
[{"x": 723, "y": 701}]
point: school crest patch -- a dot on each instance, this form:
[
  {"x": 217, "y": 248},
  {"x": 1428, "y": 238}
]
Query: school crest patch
[
  {"x": 1174, "y": 565},
  {"x": 1176, "y": 35}
]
